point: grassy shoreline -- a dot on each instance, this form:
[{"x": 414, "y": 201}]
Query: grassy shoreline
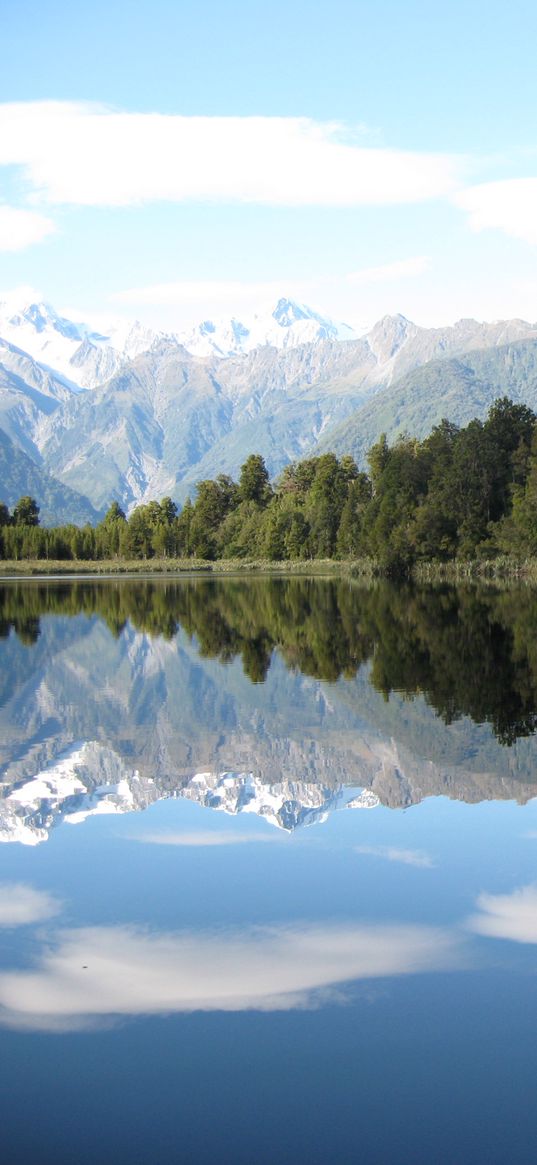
[
  {"x": 34, "y": 568},
  {"x": 456, "y": 571}
]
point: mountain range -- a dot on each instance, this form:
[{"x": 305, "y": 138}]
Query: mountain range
[{"x": 131, "y": 414}]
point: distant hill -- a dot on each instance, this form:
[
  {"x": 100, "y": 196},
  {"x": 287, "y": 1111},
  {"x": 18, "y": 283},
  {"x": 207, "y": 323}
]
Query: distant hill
[
  {"x": 459, "y": 389},
  {"x": 58, "y": 503}
]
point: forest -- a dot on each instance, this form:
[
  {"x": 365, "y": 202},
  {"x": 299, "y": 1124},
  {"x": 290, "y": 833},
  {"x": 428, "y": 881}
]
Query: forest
[{"x": 462, "y": 493}]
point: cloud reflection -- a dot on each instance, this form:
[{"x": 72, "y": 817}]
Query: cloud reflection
[
  {"x": 408, "y": 857},
  {"x": 91, "y": 975},
  {"x": 508, "y": 916},
  {"x": 21, "y": 904},
  {"x": 204, "y": 839}
]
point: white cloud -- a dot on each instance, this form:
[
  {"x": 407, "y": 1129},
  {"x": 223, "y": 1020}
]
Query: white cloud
[
  {"x": 198, "y": 298},
  {"x": 89, "y": 155},
  {"x": 21, "y": 904},
  {"x": 408, "y": 857},
  {"x": 184, "y": 303},
  {"x": 509, "y": 206},
  {"x": 390, "y": 272},
  {"x": 205, "y": 839},
  {"x": 95, "y": 973},
  {"x": 21, "y": 228},
  {"x": 508, "y": 916},
  {"x": 200, "y": 292},
  {"x": 17, "y": 297}
]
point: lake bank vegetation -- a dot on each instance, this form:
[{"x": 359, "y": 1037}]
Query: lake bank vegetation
[{"x": 461, "y": 503}]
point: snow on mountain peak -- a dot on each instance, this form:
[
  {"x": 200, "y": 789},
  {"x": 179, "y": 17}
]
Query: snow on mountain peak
[
  {"x": 284, "y": 325},
  {"x": 87, "y": 357},
  {"x": 82, "y": 355},
  {"x": 287, "y": 312}
]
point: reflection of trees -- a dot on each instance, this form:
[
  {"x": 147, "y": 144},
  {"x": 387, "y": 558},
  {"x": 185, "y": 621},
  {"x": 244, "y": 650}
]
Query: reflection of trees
[{"x": 468, "y": 651}]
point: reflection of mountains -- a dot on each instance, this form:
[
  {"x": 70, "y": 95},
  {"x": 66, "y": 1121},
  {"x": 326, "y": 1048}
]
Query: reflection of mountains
[
  {"x": 158, "y": 711},
  {"x": 469, "y": 652},
  {"x": 89, "y": 779}
]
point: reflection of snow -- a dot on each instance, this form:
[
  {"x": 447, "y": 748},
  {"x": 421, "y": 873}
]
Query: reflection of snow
[
  {"x": 365, "y": 800},
  {"x": 286, "y": 804},
  {"x": 90, "y": 779},
  {"x": 85, "y": 780},
  {"x": 55, "y": 783}
]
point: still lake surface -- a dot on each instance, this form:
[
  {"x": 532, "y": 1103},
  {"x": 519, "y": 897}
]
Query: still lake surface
[{"x": 268, "y": 891}]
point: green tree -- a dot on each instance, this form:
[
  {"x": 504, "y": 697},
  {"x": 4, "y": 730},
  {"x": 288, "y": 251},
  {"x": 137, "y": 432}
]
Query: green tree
[
  {"x": 26, "y": 512},
  {"x": 254, "y": 484},
  {"x": 113, "y": 514},
  {"x": 168, "y": 510}
]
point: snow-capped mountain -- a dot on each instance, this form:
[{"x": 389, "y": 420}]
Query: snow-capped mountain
[
  {"x": 87, "y": 357},
  {"x": 83, "y": 356},
  {"x": 169, "y": 410},
  {"x": 287, "y": 325}
]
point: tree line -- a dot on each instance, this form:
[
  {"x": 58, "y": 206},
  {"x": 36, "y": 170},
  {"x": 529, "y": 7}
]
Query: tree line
[{"x": 460, "y": 493}]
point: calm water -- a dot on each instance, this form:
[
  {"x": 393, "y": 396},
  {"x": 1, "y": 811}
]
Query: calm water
[{"x": 269, "y": 880}]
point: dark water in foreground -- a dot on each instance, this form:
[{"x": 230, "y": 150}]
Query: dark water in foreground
[{"x": 268, "y": 891}]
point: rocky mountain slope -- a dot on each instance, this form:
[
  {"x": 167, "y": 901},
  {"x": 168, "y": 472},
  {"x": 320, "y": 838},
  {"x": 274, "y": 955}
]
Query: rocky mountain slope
[
  {"x": 166, "y": 418},
  {"x": 20, "y": 476},
  {"x": 459, "y": 388}
]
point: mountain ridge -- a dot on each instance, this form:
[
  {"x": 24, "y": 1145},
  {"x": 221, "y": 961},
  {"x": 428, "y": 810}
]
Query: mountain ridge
[{"x": 167, "y": 417}]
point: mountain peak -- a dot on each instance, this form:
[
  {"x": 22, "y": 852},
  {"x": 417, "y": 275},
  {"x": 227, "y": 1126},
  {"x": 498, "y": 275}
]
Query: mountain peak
[
  {"x": 287, "y": 312},
  {"x": 287, "y": 325},
  {"x": 72, "y": 349}
]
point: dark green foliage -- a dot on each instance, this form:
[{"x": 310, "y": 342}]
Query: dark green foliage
[
  {"x": 113, "y": 514},
  {"x": 26, "y": 512},
  {"x": 470, "y": 652},
  {"x": 254, "y": 484},
  {"x": 461, "y": 493}
]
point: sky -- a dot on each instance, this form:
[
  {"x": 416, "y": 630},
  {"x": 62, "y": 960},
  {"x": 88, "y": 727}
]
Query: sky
[{"x": 174, "y": 161}]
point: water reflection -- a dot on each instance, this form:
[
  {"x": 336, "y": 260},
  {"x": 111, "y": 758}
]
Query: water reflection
[
  {"x": 471, "y": 651},
  {"x": 282, "y": 698},
  {"x": 85, "y": 975},
  {"x": 508, "y": 916},
  {"x": 22, "y": 905}
]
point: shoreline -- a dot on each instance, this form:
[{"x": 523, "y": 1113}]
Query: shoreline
[{"x": 501, "y": 569}]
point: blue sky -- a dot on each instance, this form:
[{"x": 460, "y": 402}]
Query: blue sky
[{"x": 391, "y": 165}]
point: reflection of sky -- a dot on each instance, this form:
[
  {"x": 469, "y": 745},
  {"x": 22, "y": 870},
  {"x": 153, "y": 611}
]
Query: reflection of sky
[
  {"x": 21, "y": 905},
  {"x": 509, "y": 916},
  {"x": 95, "y": 972},
  {"x": 347, "y": 1002},
  {"x": 234, "y": 957},
  {"x": 199, "y": 920}
]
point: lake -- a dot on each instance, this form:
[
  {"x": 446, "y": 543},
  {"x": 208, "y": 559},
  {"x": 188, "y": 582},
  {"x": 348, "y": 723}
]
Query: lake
[{"x": 269, "y": 873}]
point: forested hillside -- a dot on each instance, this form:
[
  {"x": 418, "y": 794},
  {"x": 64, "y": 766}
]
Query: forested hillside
[{"x": 460, "y": 493}]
